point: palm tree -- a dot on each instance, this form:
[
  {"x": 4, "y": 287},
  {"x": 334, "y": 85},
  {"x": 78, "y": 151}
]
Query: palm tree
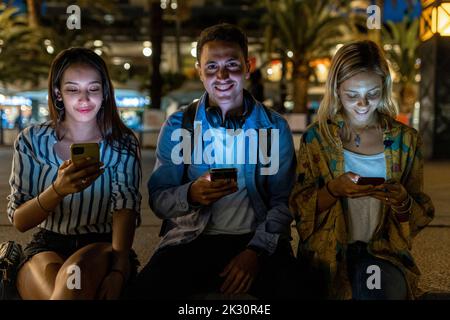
[
  {"x": 310, "y": 29},
  {"x": 403, "y": 41},
  {"x": 59, "y": 34},
  {"x": 33, "y": 15},
  {"x": 21, "y": 53}
]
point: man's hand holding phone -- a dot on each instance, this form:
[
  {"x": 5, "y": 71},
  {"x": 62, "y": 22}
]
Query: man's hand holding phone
[
  {"x": 76, "y": 175},
  {"x": 203, "y": 191}
]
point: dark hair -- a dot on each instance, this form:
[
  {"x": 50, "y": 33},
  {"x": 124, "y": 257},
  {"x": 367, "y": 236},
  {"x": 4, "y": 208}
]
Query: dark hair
[
  {"x": 113, "y": 130},
  {"x": 223, "y": 32}
]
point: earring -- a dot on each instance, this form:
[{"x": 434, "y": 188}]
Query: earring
[{"x": 59, "y": 105}]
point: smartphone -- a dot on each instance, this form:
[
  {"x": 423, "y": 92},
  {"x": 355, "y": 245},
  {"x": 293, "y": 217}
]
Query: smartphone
[
  {"x": 79, "y": 151},
  {"x": 375, "y": 181},
  {"x": 223, "y": 173}
]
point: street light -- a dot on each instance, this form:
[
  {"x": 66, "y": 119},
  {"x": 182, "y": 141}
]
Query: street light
[
  {"x": 435, "y": 19},
  {"x": 434, "y": 52},
  {"x": 98, "y": 43},
  {"x": 147, "y": 52},
  {"x": 194, "y": 49}
]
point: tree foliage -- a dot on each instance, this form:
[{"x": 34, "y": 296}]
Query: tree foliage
[
  {"x": 22, "y": 56},
  {"x": 310, "y": 29}
]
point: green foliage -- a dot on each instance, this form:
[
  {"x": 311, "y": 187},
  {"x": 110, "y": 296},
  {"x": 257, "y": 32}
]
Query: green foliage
[
  {"x": 64, "y": 38},
  {"x": 311, "y": 29},
  {"x": 404, "y": 38},
  {"x": 22, "y": 56}
]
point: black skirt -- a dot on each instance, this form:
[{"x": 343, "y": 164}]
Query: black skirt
[{"x": 66, "y": 245}]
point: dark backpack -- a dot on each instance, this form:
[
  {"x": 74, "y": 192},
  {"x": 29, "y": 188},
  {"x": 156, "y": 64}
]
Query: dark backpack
[{"x": 11, "y": 257}]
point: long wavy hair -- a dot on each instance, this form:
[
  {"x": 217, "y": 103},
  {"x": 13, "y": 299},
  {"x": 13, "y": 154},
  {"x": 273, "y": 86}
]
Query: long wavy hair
[
  {"x": 349, "y": 60},
  {"x": 113, "y": 130}
]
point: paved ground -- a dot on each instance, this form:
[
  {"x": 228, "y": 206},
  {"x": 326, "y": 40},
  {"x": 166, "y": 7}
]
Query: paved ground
[{"x": 431, "y": 246}]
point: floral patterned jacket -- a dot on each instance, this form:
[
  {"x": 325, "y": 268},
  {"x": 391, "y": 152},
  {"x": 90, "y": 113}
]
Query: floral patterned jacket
[{"x": 324, "y": 236}]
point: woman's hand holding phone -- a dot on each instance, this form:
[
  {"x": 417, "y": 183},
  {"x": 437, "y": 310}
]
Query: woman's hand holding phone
[
  {"x": 391, "y": 193},
  {"x": 346, "y": 186},
  {"x": 73, "y": 179}
]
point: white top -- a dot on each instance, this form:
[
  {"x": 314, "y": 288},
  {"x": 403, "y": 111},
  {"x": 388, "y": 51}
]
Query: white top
[
  {"x": 364, "y": 213},
  {"x": 232, "y": 214}
]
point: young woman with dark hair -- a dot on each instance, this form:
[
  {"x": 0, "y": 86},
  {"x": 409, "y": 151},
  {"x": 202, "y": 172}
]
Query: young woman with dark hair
[{"x": 86, "y": 214}]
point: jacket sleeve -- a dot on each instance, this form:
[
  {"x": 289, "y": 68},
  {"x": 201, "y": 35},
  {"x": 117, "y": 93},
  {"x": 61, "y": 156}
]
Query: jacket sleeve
[
  {"x": 23, "y": 173},
  {"x": 422, "y": 209},
  {"x": 167, "y": 194},
  {"x": 278, "y": 219},
  {"x": 126, "y": 181},
  {"x": 303, "y": 199}
]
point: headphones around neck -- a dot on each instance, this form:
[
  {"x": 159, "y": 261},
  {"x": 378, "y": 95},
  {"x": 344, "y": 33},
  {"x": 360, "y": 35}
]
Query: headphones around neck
[{"x": 233, "y": 120}]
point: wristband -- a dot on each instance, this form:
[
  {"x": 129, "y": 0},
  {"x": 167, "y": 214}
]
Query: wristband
[
  {"x": 407, "y": 202},
  {"x": 40, "y": 205},
  {"x": 329, "y": 191},
  {"x": 54, "y": 189}
]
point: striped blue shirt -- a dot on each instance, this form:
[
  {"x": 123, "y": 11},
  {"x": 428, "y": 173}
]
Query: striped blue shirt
[{"x": 35, "y": 166}]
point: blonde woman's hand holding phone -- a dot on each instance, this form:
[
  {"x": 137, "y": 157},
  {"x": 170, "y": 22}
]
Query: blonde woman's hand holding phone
[
  {"x": 346, "y": 185},
  {"x": 391, "y": 193}
]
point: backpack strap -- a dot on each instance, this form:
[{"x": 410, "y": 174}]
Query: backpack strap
[
  {"x": 187, "y": 123},
  {"x": 269, "y": 130}
]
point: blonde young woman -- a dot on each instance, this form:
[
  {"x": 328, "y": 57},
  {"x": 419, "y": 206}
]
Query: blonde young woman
[{"x": 360, "y": 235}]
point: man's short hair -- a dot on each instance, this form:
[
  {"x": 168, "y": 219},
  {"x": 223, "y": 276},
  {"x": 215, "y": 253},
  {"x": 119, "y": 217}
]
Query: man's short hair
[{"x": 223, "y": 32}]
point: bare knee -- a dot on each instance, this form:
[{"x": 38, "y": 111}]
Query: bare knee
[
  {"x": 83, "y": 272},
  {"x": 36, "y": 278}
]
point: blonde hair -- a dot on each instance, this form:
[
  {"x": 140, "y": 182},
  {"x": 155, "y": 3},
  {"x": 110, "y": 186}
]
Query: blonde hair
[{"x": 349, "y": 60}]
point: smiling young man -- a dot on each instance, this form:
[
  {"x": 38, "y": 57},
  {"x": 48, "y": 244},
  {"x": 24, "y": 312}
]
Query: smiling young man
[{"x": 224, "y": 236}]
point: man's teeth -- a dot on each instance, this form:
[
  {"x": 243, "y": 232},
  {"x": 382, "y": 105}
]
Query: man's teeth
[{"x": 224, "y": 87}]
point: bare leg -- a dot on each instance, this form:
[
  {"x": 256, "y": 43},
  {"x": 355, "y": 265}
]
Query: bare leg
[
  {"x": 94, "y": 261},
  {"x": 36, "y": 278}
]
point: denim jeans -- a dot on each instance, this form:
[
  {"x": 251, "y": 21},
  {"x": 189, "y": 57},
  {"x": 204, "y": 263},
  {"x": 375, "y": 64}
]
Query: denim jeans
[{"x": 363, "y": 271}]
